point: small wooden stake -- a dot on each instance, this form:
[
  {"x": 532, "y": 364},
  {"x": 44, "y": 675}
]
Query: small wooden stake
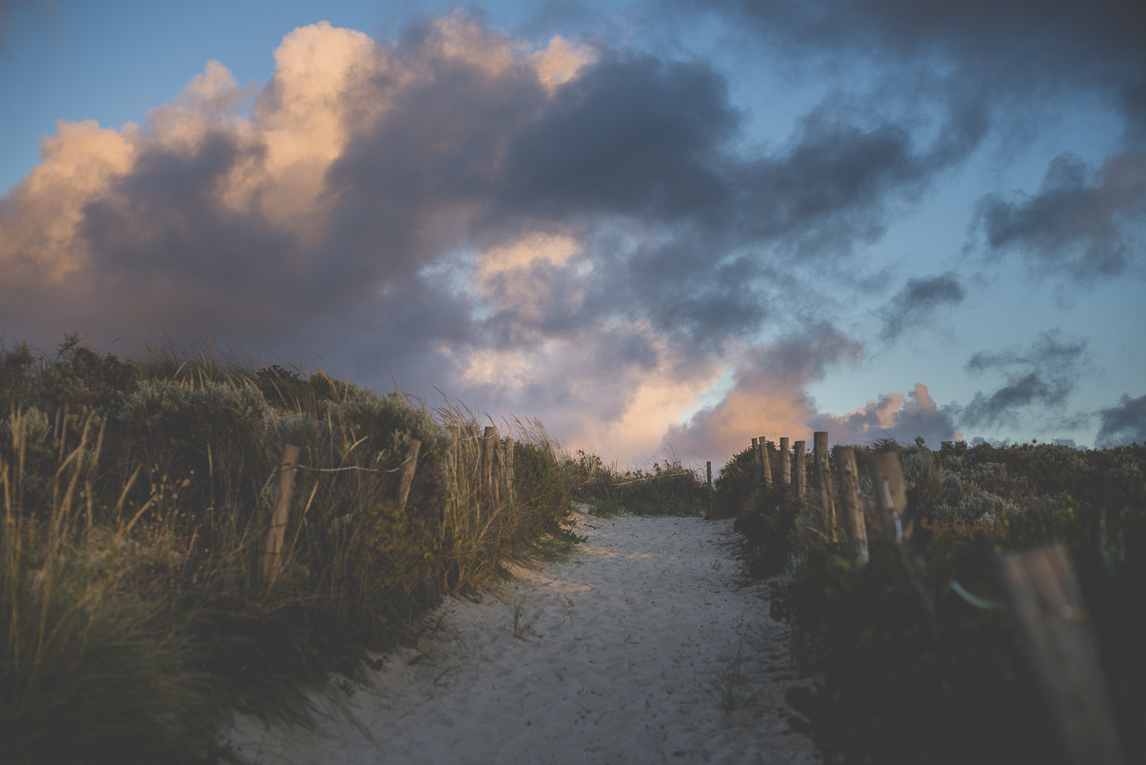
[
  {"x": 851, "y": 502},
  {"x": 509, "y": 467},
  {"x": 489, "y": 439},
  {"x": 785, "y": 462},
  {"x": 408, "y": 468},
  {"x": 824, "y": 479},
  {"x": 1058, "y": 643},
  {"x": 890, "y": 494},
  {"x": 766, "y": 460},
  {"x": 273, "y": 546},
  {"x": 452, "y": 455},
  {"x": 801, "y": 479},
  {"x": 756, "y": 462}
]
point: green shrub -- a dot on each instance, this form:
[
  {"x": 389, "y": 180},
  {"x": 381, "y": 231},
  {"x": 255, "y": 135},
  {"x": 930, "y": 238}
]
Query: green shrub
[
  {"x": 768, "y": 525},
  {"x": 733, "y": 486}
]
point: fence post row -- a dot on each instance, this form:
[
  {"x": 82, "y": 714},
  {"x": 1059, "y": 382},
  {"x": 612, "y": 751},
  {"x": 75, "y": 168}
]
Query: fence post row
[
  {"x": 1040, "y": 589},
  {"x": 273, "y": 546},
  {"x": 407, "y": 478}
]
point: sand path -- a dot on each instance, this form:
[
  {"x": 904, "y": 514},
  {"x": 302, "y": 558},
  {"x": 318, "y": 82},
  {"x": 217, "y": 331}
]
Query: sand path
[{"x": 621, "y": 663}]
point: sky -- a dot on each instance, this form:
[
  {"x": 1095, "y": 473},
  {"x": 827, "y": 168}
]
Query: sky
[{"x": 661, "y": 228}]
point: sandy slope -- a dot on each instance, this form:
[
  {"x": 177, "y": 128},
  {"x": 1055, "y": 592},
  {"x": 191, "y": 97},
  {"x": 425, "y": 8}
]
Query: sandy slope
[{"x": 627, "y": 638}]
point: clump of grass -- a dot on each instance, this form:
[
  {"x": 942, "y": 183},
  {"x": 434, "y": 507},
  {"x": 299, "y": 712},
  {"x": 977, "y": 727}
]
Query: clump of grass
[
  {"x": 92, "y": 670},
  {"x": 523, "y": 621},
  {"x": 729, "y": 685}
]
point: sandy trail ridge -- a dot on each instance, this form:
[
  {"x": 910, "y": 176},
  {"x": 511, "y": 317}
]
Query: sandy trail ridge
[{"x": 619, "y": 663}]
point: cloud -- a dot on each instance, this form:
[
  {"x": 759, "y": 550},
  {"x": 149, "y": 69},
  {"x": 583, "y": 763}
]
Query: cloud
[
  {"x": 918, "y": 301},
  {"x": 1045, "y": 375},
  {"x": 1124, "y": 422},
  {"x": 1082, "y": 229},
  {"x": 894, "y": 415},
  {"x": 768, "y": 394},
  {"x": 570, "y": 230}
]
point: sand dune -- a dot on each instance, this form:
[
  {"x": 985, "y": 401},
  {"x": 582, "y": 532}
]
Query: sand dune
[{"x": 619, "y": 662}]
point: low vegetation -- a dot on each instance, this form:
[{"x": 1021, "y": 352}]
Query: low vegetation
[
  {"x": 912, "y": 657},
  {"x": 136, "y": 497},
  {"x": 666, "y": 488}
]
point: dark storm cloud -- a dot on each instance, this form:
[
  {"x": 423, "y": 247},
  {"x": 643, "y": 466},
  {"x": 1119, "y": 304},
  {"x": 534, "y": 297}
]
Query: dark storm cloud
[
  {"x": 1072, "y": 225},
  {"x": 1002, "y": 44},
  {"x": 1007, "y": 61},
  {"x": 1045, "y": 376},
  {"x": 918, "y": 302},
  {"x": 1124, "y": 422}
]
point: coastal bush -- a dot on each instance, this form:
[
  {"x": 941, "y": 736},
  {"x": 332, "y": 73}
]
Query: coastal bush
[
  {"x": 665, "y": 488},
  {"x": 908, "y": 670}
]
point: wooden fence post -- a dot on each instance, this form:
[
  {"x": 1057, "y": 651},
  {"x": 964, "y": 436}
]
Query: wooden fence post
[
  {"x": 509, "y": 467},
  {"x": 756, "y": 461},
  {"x": 1058, "y": 642},
  {"x": 273, "y": 546},
  {"x": 487, "y": 454},
  {"x": 824, "y": 479},
  {"x": 766, "y": 460},
  {"x": 890, "y": 494},
  {"x": 798, "y": 468},
  {"x": 407, "y": 477},
  {"x": 785, "y": 463},
  {"x": 453, "y": 455},
  {"x": 851, "y": 501},
  {"x": 708, "y": 469}
]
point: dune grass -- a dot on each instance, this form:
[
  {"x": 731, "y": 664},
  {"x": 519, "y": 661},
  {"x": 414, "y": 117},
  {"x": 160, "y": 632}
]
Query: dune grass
[{"x": 136, "y": 497}]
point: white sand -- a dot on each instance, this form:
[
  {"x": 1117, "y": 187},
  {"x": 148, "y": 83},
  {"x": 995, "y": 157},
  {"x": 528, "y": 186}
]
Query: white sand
[{"x": 627, "y": 638}]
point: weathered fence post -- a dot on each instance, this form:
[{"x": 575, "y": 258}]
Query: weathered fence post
[
  {"x": 851, "y": 501},
  {"x": 406, "y": 480},
  {"x": 1058, "y": 642},
  {"x": 824, "y": 479},
  {"x": 785, "y": 463},
  {"x": 890, "y": 494},
  {"x": 756, "y": 461},
  {"x": 488, "y": 441},
  {"x": 273, "y": 547},
  {"x": 798, "y": 468},
  {"x": 708, "y": 470},
  {"x": 453, "y": 455},
  {"x": 509, "y": 467},
  {"x": 766, "y": 460}
]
